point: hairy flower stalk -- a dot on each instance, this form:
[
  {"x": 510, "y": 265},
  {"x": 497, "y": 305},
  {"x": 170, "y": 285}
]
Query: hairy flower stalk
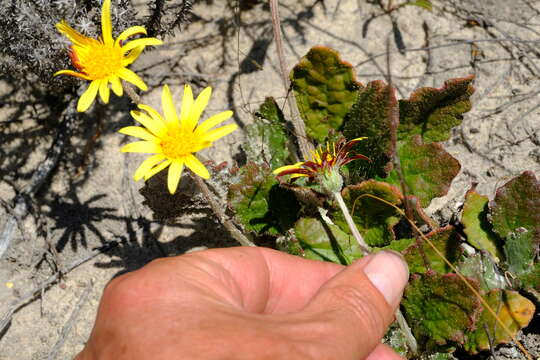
[
  {"x": 324, "y": 167},
  {"x": 104, "y": 60}
]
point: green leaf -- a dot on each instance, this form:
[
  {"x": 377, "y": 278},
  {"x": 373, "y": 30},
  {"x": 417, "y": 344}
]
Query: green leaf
[
  {"x": 481, "y": 267},
  {"x": 397, "y": 245},
  {"x": 260, "y": 204},
  {"x": 432, "y": 113},
  {"x": 268, "y": 142},
  {"x": 270, "y": 111},
  {"x": 445, "y": 240},
  {"x": 531, "y": 280},
  {"x": 425, "y": 4},
  {"x": 516, "y": 205},
  {"x": 477, "y": 227},
  {"x": 326, "y": 242},
  {"x": 374, "y": 218},
  {"x": 325, "y": 89},
  {"x": 440, "y": 308},
  {"x": 514, "y": 310},
  {"x": 515, "y": 214},
  {"x": 520, "y": 249},
  {"x": 370, "y": 117},
  {"x": 428, "y": 170}
]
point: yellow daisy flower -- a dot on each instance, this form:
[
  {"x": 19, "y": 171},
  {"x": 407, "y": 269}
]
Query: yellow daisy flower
[
  {"x": 173, "y": 140},
  {"x": 104, "y": 60}
]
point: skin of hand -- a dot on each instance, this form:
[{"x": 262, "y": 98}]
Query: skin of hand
[{"x": 249, "y": 303}]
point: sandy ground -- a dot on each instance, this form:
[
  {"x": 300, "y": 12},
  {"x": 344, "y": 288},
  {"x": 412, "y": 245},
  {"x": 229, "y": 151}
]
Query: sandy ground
[{"x": 91, "y": 198}]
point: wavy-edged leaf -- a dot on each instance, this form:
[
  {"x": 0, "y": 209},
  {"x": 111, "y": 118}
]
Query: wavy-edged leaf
[
  {"x": 515, "y": 215},
  {"x": 428, "y": 170},
  {"x": 326, "y": 242},
  {"x": 325, "y": 89},
  {"x": 514, "y": 310},
  {"x": 440, "y": 308},
  {"x": 432, "y": 112},
  {"x": 260, "y": 203},
  {"x": 267, "y": 139},
  {"x": 370, "y": 117},
  {"x": 476, "y": 225}
]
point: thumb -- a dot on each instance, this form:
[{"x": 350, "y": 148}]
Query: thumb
[{"x": 357, "y": 305}]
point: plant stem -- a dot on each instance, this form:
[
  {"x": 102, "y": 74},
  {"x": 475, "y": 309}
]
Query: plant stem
[
  {"x": 130, "y": 91},
  {"x": 298, "y": 123},
  {"x": 411, "y": 341},
  {"x": 352, "y": 226},
  {"x": 235, "y": 233},
  {"x": 409, "y": 337}
]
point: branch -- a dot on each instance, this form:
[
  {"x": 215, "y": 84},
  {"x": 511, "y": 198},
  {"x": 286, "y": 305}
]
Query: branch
[
  {"x": 28, "y": 297},
  {"x": 40, "y": 175},
  {"x": 209, "y": 197},
  {"x": 298, "y": 123}
]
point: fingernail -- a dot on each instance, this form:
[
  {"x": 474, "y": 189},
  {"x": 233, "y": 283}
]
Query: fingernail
[{"x": 389, "y": 273}]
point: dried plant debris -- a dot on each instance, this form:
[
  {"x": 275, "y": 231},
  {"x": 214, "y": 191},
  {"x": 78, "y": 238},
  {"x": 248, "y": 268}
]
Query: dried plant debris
[{"x": 35, "y": 50}]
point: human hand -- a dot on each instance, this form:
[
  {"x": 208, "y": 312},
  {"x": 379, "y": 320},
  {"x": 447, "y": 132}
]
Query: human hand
[{"x": 249, "y": 303}]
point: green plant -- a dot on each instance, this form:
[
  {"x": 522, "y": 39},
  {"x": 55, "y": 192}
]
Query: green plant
[{"x": 408, "y": 168}]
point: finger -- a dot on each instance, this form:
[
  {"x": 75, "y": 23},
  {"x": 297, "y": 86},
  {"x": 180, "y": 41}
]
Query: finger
[
  {"x": 258, "y": 280},
  {"x": 384, "y": 352},
  {"x": 357, "y": 305}
]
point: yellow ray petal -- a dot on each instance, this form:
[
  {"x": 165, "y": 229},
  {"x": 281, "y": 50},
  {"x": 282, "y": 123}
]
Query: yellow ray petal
[
  {"x": 219, "y": 132},
  {"x": 173, "y": 178},
  {"x": 187, "y": 103},
  {"x": 157, "y": 169},
  {"x": 140, "y": 42},
  {"x": 72, "y": 34},
  {"x": 196, "y": 166},
  {"x": 131, "y": 77},
  {"x": 293, "y": 176},
  {"x": 167, "y": 105},
  {"x": 134, "y": 30},
  {"x": 139, "y": 132},
  {"x": 156, "y": 127},
  {"x": 152, "y": 112},
  {"x": 287, "y": 167},
  {"x": 106, "y": 25},
  {"x": 72, "y": 73},
  {"x": 146, "y": 165},
  {"x": 104, "y": 91},
  {"x": 116, "y": 85},
  {"x": 132, "y": 56},
  {"x": 212, "y": 121},
  {"x": 88, "y": 97},
  {"x": 198, "y": 108},
  {"x": 141, "y": 147}
]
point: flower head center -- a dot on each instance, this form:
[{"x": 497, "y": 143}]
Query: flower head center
[
  {"x": 97, "y": 60},
  {"x": 179, "y": 143}
]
